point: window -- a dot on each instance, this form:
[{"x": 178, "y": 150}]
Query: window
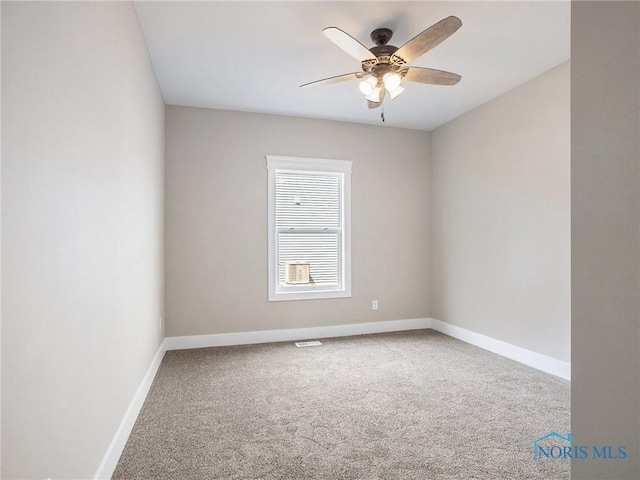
[{"x": 309, "y": 228}]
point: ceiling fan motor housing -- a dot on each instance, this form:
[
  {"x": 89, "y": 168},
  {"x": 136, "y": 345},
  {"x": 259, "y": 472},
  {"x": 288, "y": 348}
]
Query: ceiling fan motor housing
[
  {"x": 383, "y": 50},
  {"x": 384, "y": 61},
  {"x": 381, "y": 36}
]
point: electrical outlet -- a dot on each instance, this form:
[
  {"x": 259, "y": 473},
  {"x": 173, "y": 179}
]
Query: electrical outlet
[{"x": 374, "y": 305}]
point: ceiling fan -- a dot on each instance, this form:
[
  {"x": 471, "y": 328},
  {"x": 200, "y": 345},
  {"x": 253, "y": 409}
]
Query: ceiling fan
[{"x": 384, "y": 66}]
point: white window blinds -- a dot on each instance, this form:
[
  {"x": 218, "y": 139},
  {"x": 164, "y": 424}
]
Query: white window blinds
[{"x": 309, "y": 224}]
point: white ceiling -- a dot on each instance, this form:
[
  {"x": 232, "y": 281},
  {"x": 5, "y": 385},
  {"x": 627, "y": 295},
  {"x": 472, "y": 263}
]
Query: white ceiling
[{"x": 252, "y": 56}]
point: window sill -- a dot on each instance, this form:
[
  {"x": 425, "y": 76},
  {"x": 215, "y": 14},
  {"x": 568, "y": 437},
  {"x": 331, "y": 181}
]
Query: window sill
[{"x": 307, "y": 295}]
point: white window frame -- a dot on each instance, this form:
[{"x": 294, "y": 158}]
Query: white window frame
[{"x": 317, "y": 165}]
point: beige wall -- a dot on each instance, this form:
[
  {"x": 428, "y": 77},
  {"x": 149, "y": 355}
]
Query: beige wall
[
  {"x": 605, "y": 185},
  {"x": 82, "y": 150},
  {"x": 216, "y": 220},
  {"x": 501, "y": 217},
  {"x": 82, "y": 164}
]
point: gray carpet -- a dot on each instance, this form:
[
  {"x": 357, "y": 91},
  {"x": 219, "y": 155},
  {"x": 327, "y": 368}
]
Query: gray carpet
[{"x": 409, "y": 405}]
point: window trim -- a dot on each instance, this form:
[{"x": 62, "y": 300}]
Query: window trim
[{"x": 318, "y": 165}]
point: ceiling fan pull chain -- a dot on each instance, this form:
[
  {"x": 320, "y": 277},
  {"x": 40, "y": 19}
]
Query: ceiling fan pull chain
[{"x": 382, "y": 114}]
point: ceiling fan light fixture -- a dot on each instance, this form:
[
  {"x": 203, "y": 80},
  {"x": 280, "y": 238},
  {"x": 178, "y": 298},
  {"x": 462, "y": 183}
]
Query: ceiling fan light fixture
[
  {"x": 384, "y": 67},
  {"x": 391, "y": 81},
  {"x": 375, "y": 95},
  {"x": 368, "y": 85}
]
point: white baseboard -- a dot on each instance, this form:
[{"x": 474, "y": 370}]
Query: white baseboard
[
  {"x": 519, "y": 354},
  {"x": 110, "y": 460},
  {"x": 267, "y": 336},
  {"x": 522, "y": 355}
]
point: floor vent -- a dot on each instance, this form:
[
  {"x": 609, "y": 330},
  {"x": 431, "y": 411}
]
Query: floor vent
[{"x": 313, "y": 343}]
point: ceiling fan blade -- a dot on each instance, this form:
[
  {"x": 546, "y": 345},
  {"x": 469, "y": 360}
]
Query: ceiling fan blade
[
  {"x": 336, "y": 79},
  {"x": 349, "y": 44},
  {"x": 425, "y": 41},
  {"x": 431, "y": 76}
]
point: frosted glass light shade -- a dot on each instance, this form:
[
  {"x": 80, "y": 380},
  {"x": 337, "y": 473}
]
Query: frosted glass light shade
[
  {"x": 394, "y": 93},
  {"x": 375, "y": 95},
  {"x": 391, "y": 81},
  {"x": 367, "y": 85}
]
